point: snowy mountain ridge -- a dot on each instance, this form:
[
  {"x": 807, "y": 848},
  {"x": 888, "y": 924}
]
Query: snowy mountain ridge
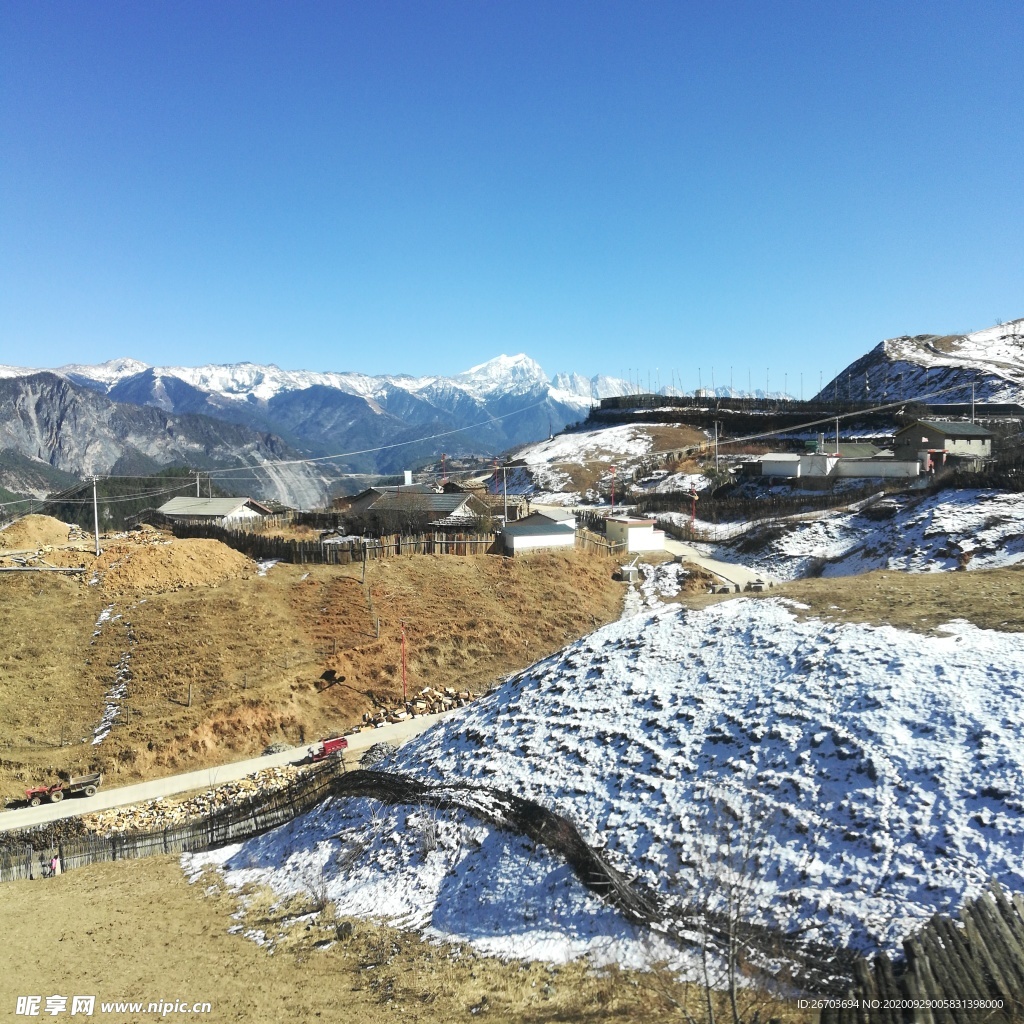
[
  {"x": 248, "y": 381},
  {"x": 386, "y": 422},
  {"x": 986, "y": 365}
]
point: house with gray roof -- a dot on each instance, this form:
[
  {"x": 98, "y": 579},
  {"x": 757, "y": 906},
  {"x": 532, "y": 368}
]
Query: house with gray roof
[
  {"x": 938, "y": 443},
  {"x": 213, "y": 510},
  {"x": 552, "y": 528},
  {"x": 412, "y": 507}
]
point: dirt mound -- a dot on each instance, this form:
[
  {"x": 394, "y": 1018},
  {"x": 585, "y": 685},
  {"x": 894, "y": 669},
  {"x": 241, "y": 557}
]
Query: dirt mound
[
  {"x": 33, "y": 532},
  {"x": 130, "y": 566}
]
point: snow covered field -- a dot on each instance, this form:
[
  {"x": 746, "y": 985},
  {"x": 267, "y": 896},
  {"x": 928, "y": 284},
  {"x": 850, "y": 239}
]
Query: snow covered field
[
  {"x": 881, "y": 773},
  {"x": 546, "y": 460},
  {"x": 929, "y": 534}
]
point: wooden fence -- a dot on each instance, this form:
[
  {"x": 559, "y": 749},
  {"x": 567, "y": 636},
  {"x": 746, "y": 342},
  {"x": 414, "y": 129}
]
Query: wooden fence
[
  {"x": 262, "y": 812},
  {"x": 249, "y": 818},
  {"x": 313, "y": 552},
  {"x": 593, "y": 543},
  {"x": 962, "y": 973}
]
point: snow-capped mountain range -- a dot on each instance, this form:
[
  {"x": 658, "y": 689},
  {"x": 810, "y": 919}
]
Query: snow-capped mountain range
[
  {"x": 944, "y": 367},
  {"x": 367, "y": 424},
  {"x": 252, "y": 382}
]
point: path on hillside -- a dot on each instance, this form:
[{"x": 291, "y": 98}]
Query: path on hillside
[
  {"x": 205, "y": 778},
  {"x": 731, "y": 572}
]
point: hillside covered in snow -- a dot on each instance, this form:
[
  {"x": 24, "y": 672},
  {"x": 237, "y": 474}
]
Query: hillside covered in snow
[
  {"x": 987, "y": 365},
  {"x": 953, "y": 529},
  {"x": 877, "y": 772}
]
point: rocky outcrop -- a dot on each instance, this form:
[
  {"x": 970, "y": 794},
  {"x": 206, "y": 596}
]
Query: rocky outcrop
[{"x": 55, "y": 423}]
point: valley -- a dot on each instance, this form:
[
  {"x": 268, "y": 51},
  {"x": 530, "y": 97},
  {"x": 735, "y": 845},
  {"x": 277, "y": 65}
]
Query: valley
[{"x": 823, "y": 747}]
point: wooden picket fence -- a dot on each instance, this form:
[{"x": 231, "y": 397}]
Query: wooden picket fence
[
  {"x": 248, "y": 818},
  {"x": 948, "y": 965},
  {"x": 594, "y": 543},
  {"x": 260, "y": 548}
]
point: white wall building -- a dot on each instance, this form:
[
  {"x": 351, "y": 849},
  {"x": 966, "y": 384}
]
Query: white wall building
[
  {"x": 636, "y": 534},
  {"x": 552, "y": 529}
]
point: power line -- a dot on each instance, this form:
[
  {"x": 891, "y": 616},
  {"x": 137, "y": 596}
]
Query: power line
[{"x": 368, "y": 451}]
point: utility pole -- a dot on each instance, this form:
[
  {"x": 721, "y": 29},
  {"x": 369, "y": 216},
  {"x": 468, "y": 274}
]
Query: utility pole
[
  {"x": 504, "y": 488},
  {"x": 405, "y": 694},
  {"x": 96, "y": 516},
  {"x": 613, "y": 487},
  {"x": 197, "y": 483}
]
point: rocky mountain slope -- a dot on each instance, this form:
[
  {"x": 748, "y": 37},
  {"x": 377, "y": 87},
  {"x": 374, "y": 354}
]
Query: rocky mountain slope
[
  {"x": 388, "y": 422},
  {"x": 51, "y": 422},
  {"x": 992, "y": 360}
]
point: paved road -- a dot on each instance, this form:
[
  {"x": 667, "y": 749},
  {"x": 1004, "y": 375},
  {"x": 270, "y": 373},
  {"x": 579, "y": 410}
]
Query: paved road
[
  {"x": 205, "y": 778},
  {"x": 731, "y": 572}
]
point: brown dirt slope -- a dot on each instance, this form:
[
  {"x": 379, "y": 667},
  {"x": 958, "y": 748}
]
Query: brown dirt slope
[
  {"x": 990, "y": 598},
  {"x": 160, "y": 564},
  {"x": 253, "y": 650}
]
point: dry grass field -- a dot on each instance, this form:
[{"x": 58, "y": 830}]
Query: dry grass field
[
  {"x": 194, "y": 617},
  {"x": 989, "y": 598},
  {"x": 138, "y": 931}
]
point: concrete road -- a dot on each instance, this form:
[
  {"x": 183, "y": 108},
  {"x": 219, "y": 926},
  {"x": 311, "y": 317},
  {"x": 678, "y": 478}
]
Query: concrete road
[
  {"x": 206, "y": 778},
  {"x": 731, "y": 572}
]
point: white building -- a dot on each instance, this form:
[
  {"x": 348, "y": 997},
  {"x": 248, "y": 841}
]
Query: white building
[
  {"x": 550, "y": 529},
  {"x": 636, "y": 534}
]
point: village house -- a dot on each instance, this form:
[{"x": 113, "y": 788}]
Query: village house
[
  {"x": 636, "y": 534},
  {"x": 939, "y": 443},
  {"x": 397, "y": 509},
  {"x": 510, "y": 506},
  {"x": 220, "y": 511},
  {"x": 553, "y": 528}
]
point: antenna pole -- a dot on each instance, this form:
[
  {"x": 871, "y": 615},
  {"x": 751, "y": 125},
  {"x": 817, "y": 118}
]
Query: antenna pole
[{"x": 96, "y": 516}]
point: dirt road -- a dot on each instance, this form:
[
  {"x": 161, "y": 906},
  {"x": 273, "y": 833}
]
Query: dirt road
[
  {"x": 731, "y": 572},
  {"x": 174, "y": 785}
]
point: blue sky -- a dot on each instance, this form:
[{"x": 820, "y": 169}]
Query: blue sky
[{"x": 624, "y": 188}]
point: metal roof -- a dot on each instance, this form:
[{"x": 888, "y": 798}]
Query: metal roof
[
  {"x": 421, "y": 501},
  {"x": 538, "y": 523},
  {"x": 954, "y": 428},
  {"x": 220, "y": 507},
  {"x": 556, "y": 515}
]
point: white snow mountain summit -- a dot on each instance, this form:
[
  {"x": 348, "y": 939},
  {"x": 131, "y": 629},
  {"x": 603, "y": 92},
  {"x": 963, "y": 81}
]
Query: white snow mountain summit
[{"x": 389, "y": 421}]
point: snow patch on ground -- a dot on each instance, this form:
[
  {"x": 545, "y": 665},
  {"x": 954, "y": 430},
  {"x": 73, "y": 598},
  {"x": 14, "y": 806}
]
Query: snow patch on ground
[
  {"x": 881, "y": 771},
  {"x": 984, "y": 529}
]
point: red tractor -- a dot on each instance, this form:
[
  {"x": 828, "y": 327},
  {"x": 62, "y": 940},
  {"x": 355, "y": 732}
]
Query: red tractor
[
  {"x": 328, "y": 748},
  {"x": 86, "y": 784}
]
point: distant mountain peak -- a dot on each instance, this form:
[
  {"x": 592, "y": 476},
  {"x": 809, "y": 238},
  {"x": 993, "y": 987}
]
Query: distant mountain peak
[
  {"x": 109, "y": 372},
  {"x": 503, "y": 372}
]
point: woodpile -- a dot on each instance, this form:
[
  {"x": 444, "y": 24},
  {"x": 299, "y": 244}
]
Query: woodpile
[
  {"x": 428, "y": 702},
  {"x": 169, "y": 811}
]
